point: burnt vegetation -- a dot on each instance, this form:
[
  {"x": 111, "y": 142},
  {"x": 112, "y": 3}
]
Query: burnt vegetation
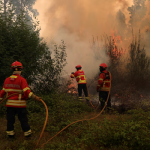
[{"x": 130, "y": 70}]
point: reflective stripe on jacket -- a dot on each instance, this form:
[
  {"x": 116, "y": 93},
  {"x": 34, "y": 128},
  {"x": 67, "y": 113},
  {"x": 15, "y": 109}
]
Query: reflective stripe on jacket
[
  {"x": 13, "y": 84},
  {"x": 104, "y": 82},
  {"x": 80, "y": 77}
]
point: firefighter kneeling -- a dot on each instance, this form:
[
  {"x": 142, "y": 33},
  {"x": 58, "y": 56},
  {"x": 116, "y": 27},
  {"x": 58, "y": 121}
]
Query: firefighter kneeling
[
  {"x": 80, "y": 78},
  {"x": 16, "y": 104},
  {"x": 103, "y": 86}
]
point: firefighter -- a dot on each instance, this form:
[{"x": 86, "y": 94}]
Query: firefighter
[
  {"x": 103, "y": 86},
  {"x": 80, "y": 78},
  {"x": 16, "y": 104}
]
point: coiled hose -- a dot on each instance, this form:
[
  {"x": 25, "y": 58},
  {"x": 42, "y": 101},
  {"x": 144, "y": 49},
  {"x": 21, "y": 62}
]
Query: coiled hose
[
  {"x": 82, "y": 119},
  {"x": 45, "y": 118}
]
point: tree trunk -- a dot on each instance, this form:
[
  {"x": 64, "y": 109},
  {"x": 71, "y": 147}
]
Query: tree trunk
[
  {"x": 5, "y": 7},
  {"x": 22, "y": 5}
]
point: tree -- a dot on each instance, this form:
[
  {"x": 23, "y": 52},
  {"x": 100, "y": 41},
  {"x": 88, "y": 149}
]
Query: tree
[
  {"x": 137, "y": 11},
  {"x": 21, "y": 5},
  {"x": 20, "y": 41}
]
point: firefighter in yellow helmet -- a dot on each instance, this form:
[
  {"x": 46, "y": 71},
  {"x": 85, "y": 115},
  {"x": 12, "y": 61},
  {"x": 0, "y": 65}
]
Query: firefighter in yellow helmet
[
  {"x": 16, "y": 104},
  {"x": 103, "y": 86}
]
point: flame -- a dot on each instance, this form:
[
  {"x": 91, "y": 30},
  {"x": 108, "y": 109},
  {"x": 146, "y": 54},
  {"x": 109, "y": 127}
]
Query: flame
[
  {"x": 114, "y": 52},
  {"x": 72, "y": 87}
]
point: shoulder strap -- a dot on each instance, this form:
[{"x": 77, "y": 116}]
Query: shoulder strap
[{"x": 107, "y": 75}]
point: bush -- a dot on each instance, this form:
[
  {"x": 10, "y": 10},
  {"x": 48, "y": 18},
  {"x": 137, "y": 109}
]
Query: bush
[
  {"x": 139, "y": 63},
  {"x": 20, "y": 41}
]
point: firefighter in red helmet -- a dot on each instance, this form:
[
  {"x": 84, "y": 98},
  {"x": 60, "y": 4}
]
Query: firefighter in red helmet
[
  {"x": 103, "y": 86},
  {"x": 16, "y": 104},
  {"x": 80, "y": 78}
]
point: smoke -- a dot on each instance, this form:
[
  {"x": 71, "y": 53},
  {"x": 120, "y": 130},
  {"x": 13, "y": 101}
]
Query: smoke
[{"x": 77, "y": 21}]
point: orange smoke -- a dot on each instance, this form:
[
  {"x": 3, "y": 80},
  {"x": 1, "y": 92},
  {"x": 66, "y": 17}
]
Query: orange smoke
[{"x": 76, "y": 21}]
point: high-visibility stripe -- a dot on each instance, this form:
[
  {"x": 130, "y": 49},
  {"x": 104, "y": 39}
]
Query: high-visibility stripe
[
  {"x": 13, "y": 90},
  {"x": 3, "y": 89},
  {"x": 27, "y": 133},
  {"x": 10, "y": 132},
  {"x": 27, "y": 88},
  {"x": 16, "y": 101},
  {"x": 100, "y": 79},
  {"x": 13, "y": 76},
  {"x": 30, "y": 94},
  {"x": 80, "y": 76},
  {"x": 20, "y": 96},
  {"x": 82, "y": 81},
  {"x": 104, "y": 89},
  {"x": 11, "y": 104},
  {"x": 106, "y": 82}
]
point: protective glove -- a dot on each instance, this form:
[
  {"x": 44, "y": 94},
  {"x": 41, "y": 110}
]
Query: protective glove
[
  {"x": 36, "y": 97},
  {"x": 72, "y": 72}
]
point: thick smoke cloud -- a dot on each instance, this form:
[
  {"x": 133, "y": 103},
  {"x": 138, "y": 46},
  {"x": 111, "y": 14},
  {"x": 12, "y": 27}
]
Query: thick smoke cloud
[{"x": 77, "y": 21}]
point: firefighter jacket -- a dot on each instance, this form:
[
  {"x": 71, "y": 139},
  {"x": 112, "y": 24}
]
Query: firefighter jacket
[
  {"x": 104, "y": 81},
  {"x": 16, "y": 83},
  {"x": 80, "y": 76}
]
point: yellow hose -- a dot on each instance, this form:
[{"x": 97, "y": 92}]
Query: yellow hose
[
  {"x": 89, "y": 97},
  {"x": 80, "y": 120},
  {"x": 44, "y": 123}
]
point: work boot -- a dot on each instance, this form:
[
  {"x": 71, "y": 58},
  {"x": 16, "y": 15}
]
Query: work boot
[
  {"x": 28, "y": 133},
  {"x": 80, "y": 98},
  {"x": 10, "y": 134}
]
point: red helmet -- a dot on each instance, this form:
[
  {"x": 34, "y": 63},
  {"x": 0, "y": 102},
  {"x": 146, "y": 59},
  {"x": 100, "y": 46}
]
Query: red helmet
[
  {"x": 78, "y": 66},
  {"x": 16, "y": 64},
  {"x": 103, "y": 65}
]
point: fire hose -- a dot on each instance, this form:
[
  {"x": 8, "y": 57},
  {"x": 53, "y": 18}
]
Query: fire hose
[
  {"x": 82, "y": 119},
  {"x": 45, "y": 118},
  {"x": 90, "y": 97}
]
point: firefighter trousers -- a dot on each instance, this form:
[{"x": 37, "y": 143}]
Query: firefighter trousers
[
  {"x": 22, "y": 116},
  {"x": 84, "y": 88},
  {"x": 103, "y": 97}
]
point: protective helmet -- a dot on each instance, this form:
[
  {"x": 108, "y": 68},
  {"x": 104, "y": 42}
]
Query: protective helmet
[
  {"x": 103, "y": 65},
  {"x": 16, "y": 64},
  {"x": 78, "y": 67}
]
